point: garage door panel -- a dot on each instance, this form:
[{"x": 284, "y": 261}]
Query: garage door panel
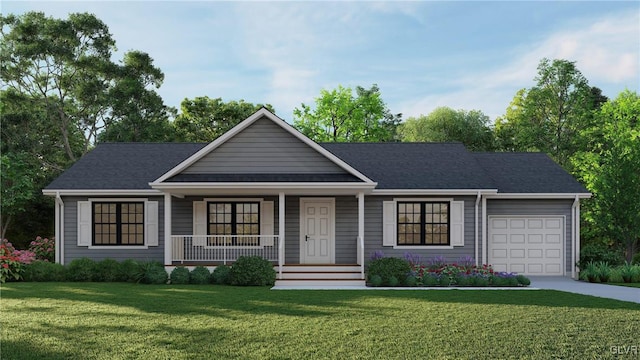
[
  {"x": 553, "y": 269},
  {"x": 527, "y": 245},
  {"x": 535, "y": 224},
  {"x": 499, "y": 239},
  {"x": 517, "y": 254},
  {"x": 535, "y": 253},
  {"x": 499, "y": 253},
  {"x": 517, "y": 224},
  {"x": 518, "y": 268},
  {"x": 499, "y": 224},
  {"x": 535, "y": 268},
  {"x": 555, "y": 224},
  {"x": 534, "y": 239},
  {"x": 500, "y": 267},
  {"x": 553, "y": 239},
  {"x": 552, "y": 254},
  {"x": 517, "y": 238}
]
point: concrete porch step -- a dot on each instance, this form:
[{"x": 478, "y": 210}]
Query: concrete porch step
[
  {"x": 319, "y": 282},
  {"x": 342, "y": 275},
  {"x": 302, "y": 268}
]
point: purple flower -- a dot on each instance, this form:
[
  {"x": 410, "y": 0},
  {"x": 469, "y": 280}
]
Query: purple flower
[{"x": 378, "y": 254}]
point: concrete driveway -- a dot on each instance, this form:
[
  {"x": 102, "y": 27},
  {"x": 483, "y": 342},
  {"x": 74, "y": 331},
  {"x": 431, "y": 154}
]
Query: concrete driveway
[{"x": 567, "y": 284}]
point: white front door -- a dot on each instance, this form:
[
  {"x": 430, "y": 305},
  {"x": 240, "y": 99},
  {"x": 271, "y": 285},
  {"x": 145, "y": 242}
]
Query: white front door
[{"x": 317, "y": 239}]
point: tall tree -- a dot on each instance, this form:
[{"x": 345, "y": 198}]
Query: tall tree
[
  {"x": 204, "y": 119},
  {"x": 138, "y": 112},
  {"x": 65, "y": 64},
  {"x": 61, "y": 89},
  {"x": 339, "y": 116},
  {"x": 549, "y": 116},
  {"x": 611, "y": 170},
  {"x": 445, "y": 124}
]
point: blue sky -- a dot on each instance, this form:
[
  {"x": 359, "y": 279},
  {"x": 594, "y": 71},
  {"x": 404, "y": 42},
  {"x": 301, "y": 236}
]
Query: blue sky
[{"x": 422, "y": 54}]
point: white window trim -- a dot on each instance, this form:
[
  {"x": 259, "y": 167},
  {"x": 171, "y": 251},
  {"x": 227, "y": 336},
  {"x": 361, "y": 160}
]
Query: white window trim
[
  {"x": 423, "y": 247},
  {"x": 119, "y": 247}
]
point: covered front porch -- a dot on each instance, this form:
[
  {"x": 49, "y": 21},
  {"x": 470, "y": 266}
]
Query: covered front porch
[{"x": 307, "y": 234}]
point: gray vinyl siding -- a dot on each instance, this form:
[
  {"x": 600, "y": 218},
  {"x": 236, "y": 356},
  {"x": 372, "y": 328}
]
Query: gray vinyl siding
[
  {"x": 539, "y": 208},
  {"x": 73, "y": 251},
  {"x": 182, "y": 212},
  {"x": 264, "y": 148},
  {"x": 373, "y": 232}
]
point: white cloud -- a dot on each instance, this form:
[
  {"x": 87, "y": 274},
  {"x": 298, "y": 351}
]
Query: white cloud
[{"x": 606, "y": 51}]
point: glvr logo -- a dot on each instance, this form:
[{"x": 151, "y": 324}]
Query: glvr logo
[{"x": 624, "y": 350}]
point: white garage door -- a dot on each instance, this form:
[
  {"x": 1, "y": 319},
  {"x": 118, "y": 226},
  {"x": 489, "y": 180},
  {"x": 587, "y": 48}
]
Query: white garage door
[{"x": 526, "y": 245}]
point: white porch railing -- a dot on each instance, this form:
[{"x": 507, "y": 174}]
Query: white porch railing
[{"x": 223, "y": 248}]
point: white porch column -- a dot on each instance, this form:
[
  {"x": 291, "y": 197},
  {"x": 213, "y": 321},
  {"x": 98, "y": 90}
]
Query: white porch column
[
  {"x": 485, "y": 231},
  {"x": 168, "y": 243},
  {"x": 281, "y": 232},
  {"x": 57, "y": 231},
  {"x": 360, "y": 243}
]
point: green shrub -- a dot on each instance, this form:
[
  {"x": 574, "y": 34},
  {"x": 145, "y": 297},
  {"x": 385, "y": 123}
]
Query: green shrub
[
  {"x": 81, "y": 269},
  {"x": 590, "y": 273},
  {"x": 523, "y": 280},
  {"x": 252, "y": 271},
  {"x": 636, "y": 259},
  {"x": 604, "y": 271},
  {"x": 627, "y": 273},
  {"x": 596, "y": 252},
  {"x": 152, "y": 272},
  {"x": 375, "y": 280},
  {"x": 480, "y": 280},
  {"x": 411, "y": 281},
  {"x": 495, "y": 280},
  {"x": 463, "y": 280},
  {"x": 221, "y": 275},
  {"x": 200, "y": 275},
  {"x": 44, "y": 271},
  {"x": 393, "y": 281},
  {"x": 431, "y": 279},
  {"x": 129, "y": 270},
  {"x": 180, "y": 275},
  {"x": 388, "y": 267},
  {"x": 107, "y": 270}
]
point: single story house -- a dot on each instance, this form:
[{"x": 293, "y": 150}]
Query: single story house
[{"x": 317, "y": 210}]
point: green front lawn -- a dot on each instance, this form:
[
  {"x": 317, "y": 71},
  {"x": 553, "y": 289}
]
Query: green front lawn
[{"x": 118, "y": 320}]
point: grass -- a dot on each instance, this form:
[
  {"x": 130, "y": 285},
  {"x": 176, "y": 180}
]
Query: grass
[
  {"x": 635, "y": 285},
  {"x": 127, "y": 321}
]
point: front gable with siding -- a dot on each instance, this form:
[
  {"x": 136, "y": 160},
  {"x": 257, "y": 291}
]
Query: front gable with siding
[{"x": 265, "y": 189}]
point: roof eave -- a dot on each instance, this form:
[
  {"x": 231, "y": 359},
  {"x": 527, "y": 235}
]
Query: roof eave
[
  {"x": 539, "y": 196},
  {"x": 100, "y": 192}
]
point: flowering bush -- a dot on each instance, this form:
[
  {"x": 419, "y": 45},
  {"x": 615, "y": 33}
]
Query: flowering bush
[
  {"x": 440, "y": 273},
  {"x": 25, "y": 256},
  {"x": 10, "y": 265},
  {"x": 44, "y": 249}
]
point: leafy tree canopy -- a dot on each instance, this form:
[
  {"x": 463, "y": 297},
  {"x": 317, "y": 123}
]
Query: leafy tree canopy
[
  {"x": 445, "y": 124},
  {"x": 611, "y": 170},
  {"x": 549, "y": 116},
  {"x": 339, "y": 116},
  {"x": 204, "y": 119}
]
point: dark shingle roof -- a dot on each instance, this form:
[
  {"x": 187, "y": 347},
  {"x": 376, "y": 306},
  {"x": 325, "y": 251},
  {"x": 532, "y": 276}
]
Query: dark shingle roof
[
  {"x": 414, "y": 165},
  {"x": 527, "y": 173},
  {"x": 132, "y": 166},
  {"x": 124, "y": 165}
]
